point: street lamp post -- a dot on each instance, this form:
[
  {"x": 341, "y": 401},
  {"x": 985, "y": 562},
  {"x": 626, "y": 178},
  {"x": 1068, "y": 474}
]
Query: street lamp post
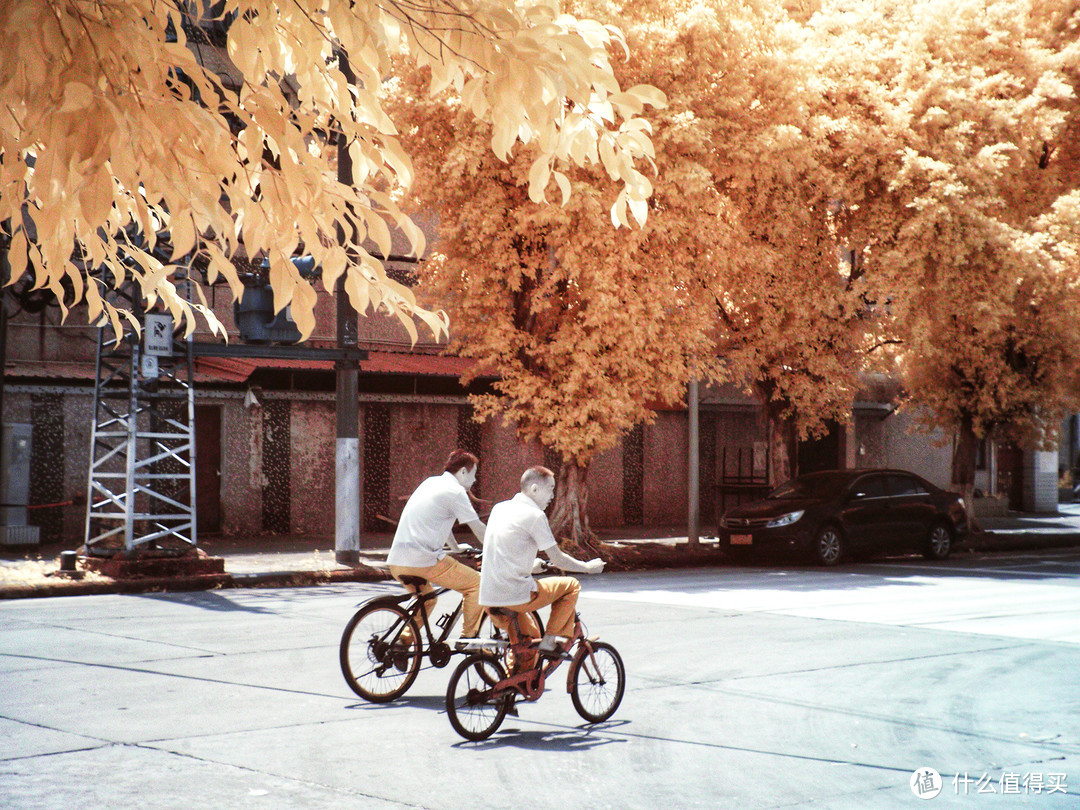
[{"x": 347, "y": 408}]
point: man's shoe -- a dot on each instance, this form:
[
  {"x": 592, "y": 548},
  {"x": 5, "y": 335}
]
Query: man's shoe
[{"x": 554, "y": 644}]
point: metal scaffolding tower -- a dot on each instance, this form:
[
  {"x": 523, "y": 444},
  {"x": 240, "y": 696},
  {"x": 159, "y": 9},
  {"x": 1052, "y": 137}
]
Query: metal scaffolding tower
[{"x": 141, "y": 483}]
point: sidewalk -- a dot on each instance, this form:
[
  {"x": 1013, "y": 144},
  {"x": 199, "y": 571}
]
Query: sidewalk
[{"x": 293, "y": 561}]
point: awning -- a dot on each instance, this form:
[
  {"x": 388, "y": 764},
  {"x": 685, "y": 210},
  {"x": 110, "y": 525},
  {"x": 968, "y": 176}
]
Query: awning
[
  {"x": 49, "y": 370},
  {"x": 239, "y": 370}
]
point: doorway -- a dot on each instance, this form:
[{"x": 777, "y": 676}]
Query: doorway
[
  {"x": 208, "y": 468},
  {"x": 821, "y": 453}
]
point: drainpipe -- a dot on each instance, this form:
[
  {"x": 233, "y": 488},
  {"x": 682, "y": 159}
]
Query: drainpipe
[{"x": 693, "y": 485}]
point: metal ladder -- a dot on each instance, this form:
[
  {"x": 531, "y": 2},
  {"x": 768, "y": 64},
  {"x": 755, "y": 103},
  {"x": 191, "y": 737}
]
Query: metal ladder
[{"x": 141, "y": 482}]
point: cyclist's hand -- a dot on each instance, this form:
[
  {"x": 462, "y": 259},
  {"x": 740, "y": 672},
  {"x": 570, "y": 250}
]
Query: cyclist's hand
[
  {"x": 539, "y": 566},
  {"x": 472, "y": 552},
  {"x": 594, "y": 566}
]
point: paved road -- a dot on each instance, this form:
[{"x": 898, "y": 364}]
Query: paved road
[{"x": 749, "y": 688}]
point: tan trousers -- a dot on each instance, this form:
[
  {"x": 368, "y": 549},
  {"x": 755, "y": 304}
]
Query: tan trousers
[
  {"x": 559, "y": 592},
  {"x": 449, "y": 573}
]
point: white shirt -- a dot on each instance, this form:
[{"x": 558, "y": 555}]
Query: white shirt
[
  {"x": 516, "y": 530},
  {"x": 427, "y": 520}
]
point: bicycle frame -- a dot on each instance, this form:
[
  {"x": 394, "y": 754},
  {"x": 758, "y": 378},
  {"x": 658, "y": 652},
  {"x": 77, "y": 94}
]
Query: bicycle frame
[
  {"x": 530, "y": 684},
  {"x": 411, "y": 602}
]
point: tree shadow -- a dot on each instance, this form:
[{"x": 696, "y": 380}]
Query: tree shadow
[{"x": 207, "y": 600}]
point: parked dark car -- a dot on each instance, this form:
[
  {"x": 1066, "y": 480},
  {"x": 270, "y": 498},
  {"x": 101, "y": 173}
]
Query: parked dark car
[{"x": 828, "y": 515}]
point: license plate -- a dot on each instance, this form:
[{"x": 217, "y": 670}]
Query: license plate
[{"x": 742, "y": 539}]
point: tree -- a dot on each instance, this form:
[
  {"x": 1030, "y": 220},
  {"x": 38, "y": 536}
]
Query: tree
[
  {"x": 750, "y": 168},
  {"x": 587, "y": 329},
  {"x": 115, "y": 132},
  {"x": 584, "y": 329},
  {"x": 954, "y": 129}
]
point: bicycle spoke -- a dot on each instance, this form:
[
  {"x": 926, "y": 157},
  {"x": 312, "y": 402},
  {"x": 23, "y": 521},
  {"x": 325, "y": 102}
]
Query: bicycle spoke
[
  {"x": 378, "y": 664},
  {"x": 597, "y": 682},
  {"x": 474, "y": 708}
]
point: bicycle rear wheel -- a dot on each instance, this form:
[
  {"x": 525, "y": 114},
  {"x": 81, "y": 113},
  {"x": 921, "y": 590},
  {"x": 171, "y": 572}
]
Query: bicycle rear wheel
[
  {"x": 474, "y": 710},
  {"x": 597, "y": 681},
  {"x": 377, "y": 664}
]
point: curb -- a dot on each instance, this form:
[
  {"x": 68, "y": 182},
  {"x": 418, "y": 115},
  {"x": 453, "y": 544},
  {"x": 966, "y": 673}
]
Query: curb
[
  {"x": 1020, "y": 541},
  {"x": 204, "y": 582},
  {"x": 644, "y": 557}
]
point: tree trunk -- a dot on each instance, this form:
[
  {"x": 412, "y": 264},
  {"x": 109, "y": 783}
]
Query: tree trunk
[
  {"x": 569, "y": 513},
  {"x": 782, "y": 465},
  {"x": 963, "y": 461}
]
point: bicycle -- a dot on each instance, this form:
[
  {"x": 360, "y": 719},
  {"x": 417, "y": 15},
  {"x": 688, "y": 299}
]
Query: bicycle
[
  {"x": 378, "y": 664},
  {"x": 480, "y": 694}
]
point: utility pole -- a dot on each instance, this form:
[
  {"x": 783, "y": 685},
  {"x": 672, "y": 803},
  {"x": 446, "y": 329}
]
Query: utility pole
[
  {"x": 5, "y": 271},
  {"x": 347, "y": 447}
]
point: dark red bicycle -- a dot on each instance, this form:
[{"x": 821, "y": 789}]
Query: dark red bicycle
[{"x": 480, "y": 693}]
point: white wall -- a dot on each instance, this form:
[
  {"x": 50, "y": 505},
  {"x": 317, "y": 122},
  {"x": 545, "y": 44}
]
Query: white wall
[{"x": 899, "y": 440}]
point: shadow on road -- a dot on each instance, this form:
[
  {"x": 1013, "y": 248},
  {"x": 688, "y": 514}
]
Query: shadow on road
[
  {"x": 433, "y": 702},
  {"x": 207, "y": 600},
  {"x": 581, "y": 738}
]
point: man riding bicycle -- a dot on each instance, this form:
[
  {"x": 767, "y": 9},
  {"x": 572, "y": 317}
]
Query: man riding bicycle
[
  {"x": 517, "y": 530},
  {"x": 426, "y": 524}
]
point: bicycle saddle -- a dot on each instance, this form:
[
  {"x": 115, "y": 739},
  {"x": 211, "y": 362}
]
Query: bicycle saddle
[{"x": 412, "y": 581}]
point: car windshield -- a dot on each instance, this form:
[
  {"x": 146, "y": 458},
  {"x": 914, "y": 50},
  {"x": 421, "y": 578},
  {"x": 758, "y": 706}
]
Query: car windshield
[{"x": 810, "y": 486}]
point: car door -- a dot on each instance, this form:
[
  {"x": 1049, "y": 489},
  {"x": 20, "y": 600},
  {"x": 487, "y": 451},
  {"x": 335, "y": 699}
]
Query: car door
[
  {"x": 912, "y": 509},
  {"x": 867, "y": 515}
]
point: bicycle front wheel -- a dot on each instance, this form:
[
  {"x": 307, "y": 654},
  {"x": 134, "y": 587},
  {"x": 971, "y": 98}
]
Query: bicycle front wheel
[
  {"x": 378, "y": 663},
  {"x": 597, "y": 681},
  {"x": 475, "y": 711}
]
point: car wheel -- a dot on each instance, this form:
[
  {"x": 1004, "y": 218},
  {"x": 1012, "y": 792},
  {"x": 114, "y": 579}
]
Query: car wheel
[
  {"x": 939, "y": 542},
  {"x": 828, "y": 546}
]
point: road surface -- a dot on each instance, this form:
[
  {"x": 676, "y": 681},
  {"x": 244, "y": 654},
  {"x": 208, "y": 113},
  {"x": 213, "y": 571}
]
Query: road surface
[{"x": 748, "y": 687}]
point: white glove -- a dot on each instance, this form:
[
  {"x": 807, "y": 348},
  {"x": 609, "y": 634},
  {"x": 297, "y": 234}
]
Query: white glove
[
  {"x": 594, "y": 566},
  {"x": 538, "y": 566}
]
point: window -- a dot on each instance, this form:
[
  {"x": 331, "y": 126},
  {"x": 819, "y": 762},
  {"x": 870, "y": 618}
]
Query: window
[
  {"x": 872, "y": 486},
  {"x": 900, "y": 485}
]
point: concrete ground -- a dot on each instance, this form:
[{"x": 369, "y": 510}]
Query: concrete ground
[{"x": 296, "y": 560}]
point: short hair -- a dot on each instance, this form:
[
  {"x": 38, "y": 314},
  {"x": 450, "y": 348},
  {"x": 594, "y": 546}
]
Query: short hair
[
  {"x": 534, "y": 475},
  {"x": 461, "y": 459}
]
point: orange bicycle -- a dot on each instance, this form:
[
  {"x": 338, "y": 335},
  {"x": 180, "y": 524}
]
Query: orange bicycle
[{"x": 480, "y": 693}]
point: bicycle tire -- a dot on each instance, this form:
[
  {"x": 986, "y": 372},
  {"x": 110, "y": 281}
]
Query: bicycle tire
[
  {"x": 474, "y": 712},
  {"x": 598, "y": 694},
  {"x": 375, "y": 665}
]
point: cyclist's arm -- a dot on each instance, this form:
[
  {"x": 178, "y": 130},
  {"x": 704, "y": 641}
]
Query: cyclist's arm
[
  {"x": 478, "y": 529},
  {"x": 568, "y": 563}
]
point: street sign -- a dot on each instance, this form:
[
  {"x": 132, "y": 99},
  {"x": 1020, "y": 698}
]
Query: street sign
[{"x": 158, "y": 334}]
